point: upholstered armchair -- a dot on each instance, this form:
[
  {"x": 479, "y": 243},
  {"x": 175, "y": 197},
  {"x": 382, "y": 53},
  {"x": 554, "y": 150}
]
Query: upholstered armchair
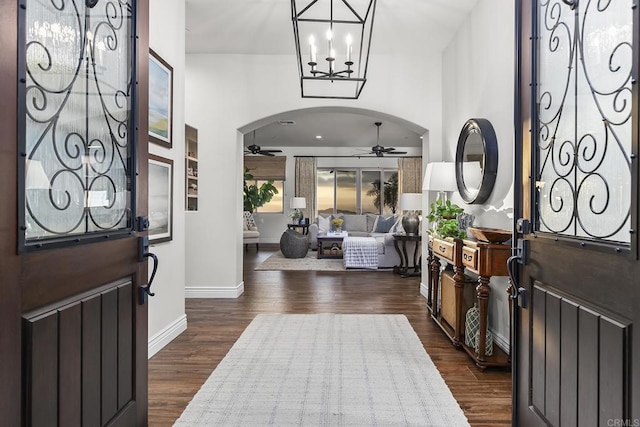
[{"x": 250, "y": 233}]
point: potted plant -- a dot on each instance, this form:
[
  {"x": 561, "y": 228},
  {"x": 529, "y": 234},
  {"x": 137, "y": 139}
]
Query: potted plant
[
  {"x": 443, "y": 215},
  {"x": 255, "y": 196}
]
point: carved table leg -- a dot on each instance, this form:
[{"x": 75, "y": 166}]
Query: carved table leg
[
  {"x": 399, "y": 269},
  {"x": 483, "y": 291},
  {"x": 405, "y": 261},
  {"x": 458, "y": 279},
  {"x": 435, "y": 278},
  {"x": 416, "y": 265},
  {"x": 429, "y": 281}
]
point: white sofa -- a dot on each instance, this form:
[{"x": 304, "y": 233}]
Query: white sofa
[{"x": 366, "y": 226}]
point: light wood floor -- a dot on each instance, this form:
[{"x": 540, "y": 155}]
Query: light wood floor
[{"x": 177, "y": 371}]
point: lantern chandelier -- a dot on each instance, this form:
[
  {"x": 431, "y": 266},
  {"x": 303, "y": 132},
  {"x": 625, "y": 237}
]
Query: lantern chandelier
[{"x": 333, "y": 40}]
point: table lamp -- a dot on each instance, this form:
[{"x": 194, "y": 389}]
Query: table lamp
[
  {"x": 440, "y": 177},
  {"x": 410, "y": 202},
  {"x": 298, "y": 203}
]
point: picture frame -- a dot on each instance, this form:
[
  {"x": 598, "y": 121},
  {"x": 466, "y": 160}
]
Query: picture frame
[
  {"x": 160, "y": 199},
  {"x": 160, "y": 100}
]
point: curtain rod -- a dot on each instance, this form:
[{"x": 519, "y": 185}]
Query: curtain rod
[{"x": 363, "y": 156}]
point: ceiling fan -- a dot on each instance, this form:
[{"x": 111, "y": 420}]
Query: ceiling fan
[
  {"x": 378, "y": 149},
  {"x": 255, "y": 149}
]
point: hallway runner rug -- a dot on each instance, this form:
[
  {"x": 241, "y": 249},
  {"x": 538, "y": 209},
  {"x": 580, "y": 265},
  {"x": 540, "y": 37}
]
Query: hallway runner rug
[{"x": 325, "y": 370}]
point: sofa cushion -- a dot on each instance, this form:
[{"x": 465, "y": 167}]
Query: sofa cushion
[
  {"x": 383, "y": 225},
  {"x": 324, "y": 223},
  {"x": 354, "y": 223},
  {"x": 371, "y": 221}
]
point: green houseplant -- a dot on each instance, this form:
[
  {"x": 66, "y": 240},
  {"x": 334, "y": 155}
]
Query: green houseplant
[
  {"x": 443, "y": 215},
  {"x": 255, "y": 196}
]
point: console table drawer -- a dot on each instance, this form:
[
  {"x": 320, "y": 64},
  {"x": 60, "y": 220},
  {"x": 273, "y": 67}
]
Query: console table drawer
[
  {"x": 470, "y": 257},
  {"x": 443, "y": 249}
]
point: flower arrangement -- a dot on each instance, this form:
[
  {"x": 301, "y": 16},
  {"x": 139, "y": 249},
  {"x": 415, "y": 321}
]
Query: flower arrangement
[{"x": 337, "y": 223}]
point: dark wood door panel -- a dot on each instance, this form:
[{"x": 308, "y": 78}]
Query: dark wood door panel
[
  {"x": 78, "y": 273},
  {"x": 570, "y": 273},
  {"x": 70, "y": 349},
  {"x": 579, "y": 365},
  {"x": 80, "y": 355}
]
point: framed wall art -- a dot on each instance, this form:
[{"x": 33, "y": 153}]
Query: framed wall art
[
  {"x": 160, "y": 199},
  {"x": 160, "y": 100}
]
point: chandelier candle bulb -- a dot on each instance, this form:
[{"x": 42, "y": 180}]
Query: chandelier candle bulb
[
  {"x": 312, "y": 50},
  {"x": 349, "y": 49}
]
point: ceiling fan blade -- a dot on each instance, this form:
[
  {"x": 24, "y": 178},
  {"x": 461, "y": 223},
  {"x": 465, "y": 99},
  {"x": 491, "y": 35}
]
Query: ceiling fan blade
[
  {"x": 399, "y": 152},
  {"x": 265, "y": 153},
  {"x": 271, "y": 151}
]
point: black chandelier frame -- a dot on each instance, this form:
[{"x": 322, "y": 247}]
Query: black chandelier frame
[{"x": 331, "y": 76}]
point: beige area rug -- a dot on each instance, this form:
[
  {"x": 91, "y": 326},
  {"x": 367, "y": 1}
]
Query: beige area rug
[
  {"x": 325, "y": 370},
  {"x": 278, "y": 262}
]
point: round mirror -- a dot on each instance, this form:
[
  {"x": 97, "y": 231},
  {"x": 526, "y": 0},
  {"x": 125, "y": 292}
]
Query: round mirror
[{"x": 476, "y": 161}]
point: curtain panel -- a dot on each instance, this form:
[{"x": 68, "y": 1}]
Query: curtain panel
[
  {"x": 306, "y": 180},
  {"x": 410, "y": 175}
]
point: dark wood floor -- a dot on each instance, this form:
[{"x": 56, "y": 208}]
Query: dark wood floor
[{"x": 177, "y": 371}]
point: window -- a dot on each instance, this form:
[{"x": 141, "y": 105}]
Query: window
[
  {"x": 276, "y": 204},
  {"x": 357, "y": 191}
]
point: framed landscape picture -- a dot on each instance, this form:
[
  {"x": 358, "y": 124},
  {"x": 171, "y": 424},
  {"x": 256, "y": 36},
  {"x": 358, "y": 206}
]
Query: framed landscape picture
[
  {"x": 160, "y": 199},
  {"x": 160, "y": 100}
]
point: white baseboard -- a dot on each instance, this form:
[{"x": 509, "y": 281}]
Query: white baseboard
[
  {"x": 165, "y": 336},
  {"x": 214, "y": 291},
  {"x": 424, "y": 290},
  {"x": 501, "y": 341}
]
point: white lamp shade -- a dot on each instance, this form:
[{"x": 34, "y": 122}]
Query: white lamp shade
[
  {"x": 36, "y": 177},
  {"x": 440, "y": 176},
  {"x": 410, "y": 202},
  {"x": 298, "y": 203}
]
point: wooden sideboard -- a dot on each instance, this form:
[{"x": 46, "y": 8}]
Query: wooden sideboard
[{"x": 485, "y": 260}]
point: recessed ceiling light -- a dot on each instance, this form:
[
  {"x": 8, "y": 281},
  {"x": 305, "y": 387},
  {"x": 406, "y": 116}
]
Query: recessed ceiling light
[{"x": 318, "y": 136}]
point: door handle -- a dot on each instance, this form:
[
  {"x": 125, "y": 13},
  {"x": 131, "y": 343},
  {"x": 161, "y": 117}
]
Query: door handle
[
  {"x": 519, "y": 293},
  {"x": 144, "y": 254}
]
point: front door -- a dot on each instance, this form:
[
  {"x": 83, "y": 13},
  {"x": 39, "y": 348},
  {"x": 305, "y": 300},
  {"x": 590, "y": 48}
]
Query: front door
[
  {"x": 577, "y": 338},
  {"x": 73, "y": 181}
]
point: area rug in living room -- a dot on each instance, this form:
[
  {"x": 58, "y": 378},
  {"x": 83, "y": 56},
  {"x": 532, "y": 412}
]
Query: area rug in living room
[
  {"x": 325, "y": 370},
  {"x": 277, "y": 262}
]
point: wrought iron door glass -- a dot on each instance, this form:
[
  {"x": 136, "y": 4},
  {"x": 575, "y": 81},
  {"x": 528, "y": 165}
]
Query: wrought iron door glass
[
  {"x": 584, "y": 121},
  {"x": 78, "y": 106}
]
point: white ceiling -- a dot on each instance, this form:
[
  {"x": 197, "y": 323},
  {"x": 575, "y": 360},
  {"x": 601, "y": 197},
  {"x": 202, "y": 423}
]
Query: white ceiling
[
  {"x": 265, "y": 27},
  {"x": 338, "y": 129}
]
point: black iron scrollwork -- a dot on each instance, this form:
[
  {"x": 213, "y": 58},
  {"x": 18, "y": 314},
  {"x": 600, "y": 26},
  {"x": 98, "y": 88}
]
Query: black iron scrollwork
[
  {"x": 78, "y": 105},
  {"x": 584, "y": 115}
]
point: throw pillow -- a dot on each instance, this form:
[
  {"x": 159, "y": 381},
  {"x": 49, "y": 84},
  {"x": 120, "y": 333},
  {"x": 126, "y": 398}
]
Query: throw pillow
[
  {"x": 355, "y": 223},
  {"x": 249, "y": 221},
  {"x": 397, "y": 227},
  {"x": 371, "y": 222},
  {"x": 383, "y": 225},
  {"x": 324, "y": 224}
]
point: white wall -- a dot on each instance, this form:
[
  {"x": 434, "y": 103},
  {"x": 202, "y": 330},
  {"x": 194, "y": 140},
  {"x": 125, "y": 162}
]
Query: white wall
[
  {"x": 227, "y": 92},
  {"x": 167, "y": 317},
  {"x": 478, "y": 82}
]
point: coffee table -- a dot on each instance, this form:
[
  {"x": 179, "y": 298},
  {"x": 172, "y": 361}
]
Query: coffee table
[{"x": 330, "y": 246}]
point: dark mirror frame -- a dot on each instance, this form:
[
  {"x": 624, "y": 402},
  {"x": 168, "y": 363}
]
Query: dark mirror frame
[{"x": 483, "y": 128}]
